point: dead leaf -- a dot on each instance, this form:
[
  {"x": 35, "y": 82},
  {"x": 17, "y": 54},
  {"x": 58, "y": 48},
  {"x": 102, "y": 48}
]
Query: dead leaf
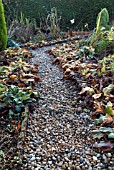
[
  {"x": 13, "y": 76},
  {"x": 56, "y": 60},
  {"x": 108, "y": 120},
  {"x": 34, "y": 70},
  {"x": 96, "y": 96},
  {"x": 27, "y": 54},
  {"x": 18, "y": 127},
  {"x": 55, "y": 106},
  {"x": 25, "y": 69},
  {"x": 87, "y": 89},
  {"x": 99, "y": 108},
  {"x": 21, "y": 85},
  {"x": 3, "y": 113},
  {"x": 104, "y": 146},
  {"x": 67, "y": 71}
]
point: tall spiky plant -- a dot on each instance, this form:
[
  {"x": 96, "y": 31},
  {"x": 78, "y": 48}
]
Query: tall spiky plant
[
  {"x": 53, "y": 21},
  {"x": 102, "y": 35},
  {"x": 3, "y": 28},
  {"x": 102, "y": 21}
]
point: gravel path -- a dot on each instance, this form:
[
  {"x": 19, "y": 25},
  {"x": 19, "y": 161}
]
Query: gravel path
[{"x": 59, "y": 131}]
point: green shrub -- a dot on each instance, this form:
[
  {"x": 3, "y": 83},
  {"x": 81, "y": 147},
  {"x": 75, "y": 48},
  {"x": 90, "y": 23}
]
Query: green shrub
[
  {"x": 3, "y": 29},
  {"x": 103, "y": 35}
]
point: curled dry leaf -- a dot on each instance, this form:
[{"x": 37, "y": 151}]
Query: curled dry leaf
[
  {"x": 25, "y": 69},
  {"x": 21, "y": 85},
  {"x": 107, "y": 121},
  {"x": 99, "y": 107},
  {"x": 34, "y": 70},
  {"x": 97, "y": 96},
  {"x": 65, "y": 66},
  {"x": 27, "y": 54},
  {"x": 18, "y": 127},
  {"x": 56, "y": 60},
  {"x": 13, "y": 76},
  {"x": 67, "y": 71},
  {"x": 87, "y": 89},
  {"x": 104, "y": 146},
  {"x": 107, "y": 89}
]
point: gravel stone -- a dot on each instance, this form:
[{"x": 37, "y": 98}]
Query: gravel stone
[
  {"x": 94, "y": 158},
  {"x": 90, "y": 168},
  {"x": 109, "y": 155},
  {"x": 33, "y": 159},
  {"x": 59, "y": 130}
]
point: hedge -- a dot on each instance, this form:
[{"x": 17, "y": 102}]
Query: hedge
[{"x": 83, "y": 11}]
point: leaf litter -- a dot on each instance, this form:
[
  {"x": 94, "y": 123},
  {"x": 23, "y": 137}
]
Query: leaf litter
[
  {"x": 18, "y": 78},
  {"x": 94, "y": 77}
]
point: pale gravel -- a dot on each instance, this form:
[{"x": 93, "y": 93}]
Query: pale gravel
[{"x": 59, "y": 131}]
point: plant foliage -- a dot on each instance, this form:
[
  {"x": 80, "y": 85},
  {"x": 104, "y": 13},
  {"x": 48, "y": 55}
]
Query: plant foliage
[{"x": 86, "y": 64}]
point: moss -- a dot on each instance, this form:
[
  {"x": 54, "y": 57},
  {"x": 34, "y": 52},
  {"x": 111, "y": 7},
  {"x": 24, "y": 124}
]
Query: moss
[{"x": 3, "y": 29}]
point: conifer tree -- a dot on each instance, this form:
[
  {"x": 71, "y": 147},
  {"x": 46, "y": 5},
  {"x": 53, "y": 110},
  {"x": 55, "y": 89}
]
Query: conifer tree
[{"x": 3, "y": 28}]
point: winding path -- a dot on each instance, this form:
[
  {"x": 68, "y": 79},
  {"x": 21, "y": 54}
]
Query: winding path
[{"x": 59, "y": 131}]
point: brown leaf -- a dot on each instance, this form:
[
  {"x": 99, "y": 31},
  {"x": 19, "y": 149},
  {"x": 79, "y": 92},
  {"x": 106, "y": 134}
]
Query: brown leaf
[
  {"x": 36, "y": 77},
  {"x": 55, "y": 106},
  {"x": 3, "y": 112},
  {"x": 34, "y": 70},
  {"x": 104, "y": 146},
  {"x": 18, "y": 127},
  {"x": 27, "y": 54},
  {"x": 56, "y": 60},
  {"x": 21, "y": 85},
  {"x": 25, "y": 69},
  {"x": 99, "y": 108},
  {"x": 66, "y": 76},
  {"x": 67, "y": 71},
  {"x": 40, "y": 80},
  {"x": 108, "y": 120},
  {"x": 13, "y": 122},
  {"x": 96, "y": 96},
  {"x": 13, "y": 76}
]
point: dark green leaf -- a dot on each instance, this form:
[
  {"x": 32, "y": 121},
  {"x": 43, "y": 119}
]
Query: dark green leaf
[
  {"x": 106, "y": 129},
  {"x": 111, "y": 136},
  {"x": 100, "y": 120},
  {"x": 97, "y": 134}
]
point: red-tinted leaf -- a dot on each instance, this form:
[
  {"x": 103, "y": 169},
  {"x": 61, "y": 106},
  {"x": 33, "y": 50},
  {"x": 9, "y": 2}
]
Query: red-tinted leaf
[
  {"x": 108, "y": 120},
  {"x": 18, "y": 127},
  {"x": 104, "y": 146}
]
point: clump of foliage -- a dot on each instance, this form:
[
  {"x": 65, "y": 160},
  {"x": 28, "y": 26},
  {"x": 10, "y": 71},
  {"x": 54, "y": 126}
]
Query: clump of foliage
[
  {"x": 18, "y": 99},
  {"x": 51, "y": 25},
  {"x": 14, "y": 99},
  {"x": 84, "y": 63},
  {"x": 103, "y": 35},
  {"x": 3, "y": 28},
  {"x": 16, "y": 81},
  {"x": 22, "y": 29},
  {"x": 54, "y": 22}
]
